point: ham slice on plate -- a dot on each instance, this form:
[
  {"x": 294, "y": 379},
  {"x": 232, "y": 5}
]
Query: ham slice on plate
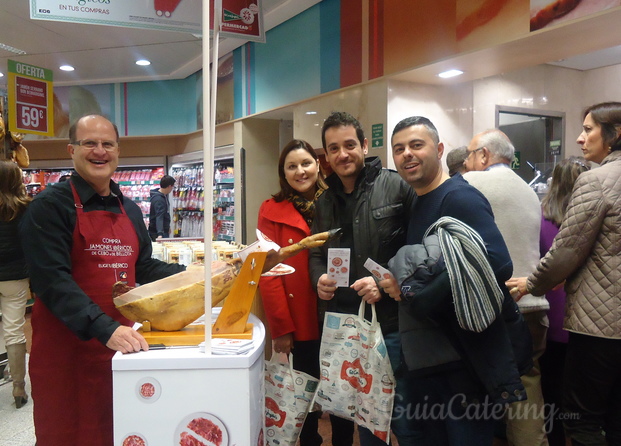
[{"x": 202, "y": 429}]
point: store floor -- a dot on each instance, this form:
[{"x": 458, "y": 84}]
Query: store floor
[
  {"x": 326, "y": 430},
  {"x": 16, "y": 428}
]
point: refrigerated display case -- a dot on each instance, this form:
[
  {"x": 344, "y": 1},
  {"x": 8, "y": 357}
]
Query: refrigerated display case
[
  {"x": 224, "y": 201},
  {"x": 137, "y": 185},
  {"x": 187, "y": 201}
]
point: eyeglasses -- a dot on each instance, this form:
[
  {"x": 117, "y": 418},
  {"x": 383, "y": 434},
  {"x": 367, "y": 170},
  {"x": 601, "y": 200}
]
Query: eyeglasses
[
  {"x": 470, "y": 152},
  {"x": 91, "y": 144}
]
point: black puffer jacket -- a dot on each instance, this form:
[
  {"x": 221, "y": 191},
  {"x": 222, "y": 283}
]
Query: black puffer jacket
[
  {"x": 380, "y": 217},
  {"x": 12, "y": 261},
  {"x": 159, "y": 218}
]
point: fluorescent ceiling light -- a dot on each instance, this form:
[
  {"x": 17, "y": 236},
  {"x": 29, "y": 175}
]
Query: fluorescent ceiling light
[
  {"x": 450, "y": 73},
  {"x": 311, "y": 112},
  {"x": 143, "y": 62},
  {"x": 12, "y": 49},
  {"x": 66, "y": 68}
]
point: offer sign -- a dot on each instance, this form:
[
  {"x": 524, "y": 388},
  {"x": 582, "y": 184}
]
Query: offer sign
[{"x": 30, "y": 95}]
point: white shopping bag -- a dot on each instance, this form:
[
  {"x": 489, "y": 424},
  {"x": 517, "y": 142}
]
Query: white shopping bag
[
  {"x": 288, "y": 396},
  {"x": 357, "y": 381}
]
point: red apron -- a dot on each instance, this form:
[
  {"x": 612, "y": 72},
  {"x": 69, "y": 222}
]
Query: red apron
[{"x": 72, "y": 379}]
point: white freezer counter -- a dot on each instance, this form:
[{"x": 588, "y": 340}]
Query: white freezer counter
[{"x": 180, "y": 396}]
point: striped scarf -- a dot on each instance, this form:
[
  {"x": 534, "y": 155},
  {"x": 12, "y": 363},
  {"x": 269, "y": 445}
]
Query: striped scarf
[{"x": 476, "y": 295}]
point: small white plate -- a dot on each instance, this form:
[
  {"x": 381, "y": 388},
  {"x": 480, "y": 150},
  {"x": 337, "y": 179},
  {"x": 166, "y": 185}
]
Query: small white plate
[{"x": 279, "y": 270}]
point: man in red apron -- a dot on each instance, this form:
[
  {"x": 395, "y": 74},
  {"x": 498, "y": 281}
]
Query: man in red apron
[{"x": 80, "y": 237}]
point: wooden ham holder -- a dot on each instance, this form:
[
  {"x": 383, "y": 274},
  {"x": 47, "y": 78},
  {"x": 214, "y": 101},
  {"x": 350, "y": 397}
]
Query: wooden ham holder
[{"x": 233, "y": 319}]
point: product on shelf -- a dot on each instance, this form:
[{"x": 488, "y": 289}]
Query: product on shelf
[
  {"x": 137, "y": 185},
  {"x": 37, "y": 180},
  {"x": 188, "y": 198}
]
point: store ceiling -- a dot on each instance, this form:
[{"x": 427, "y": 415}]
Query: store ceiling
[{"x": 105, "y": 54}]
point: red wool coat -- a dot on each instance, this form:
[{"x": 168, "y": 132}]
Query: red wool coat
[{"x": 290, "y": 301}]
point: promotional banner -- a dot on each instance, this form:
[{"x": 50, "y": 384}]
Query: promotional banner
[
  {"x": 169, "y": 15},
  {"x": 30, "y": 95},
  {"x": 239, "y": 17}
]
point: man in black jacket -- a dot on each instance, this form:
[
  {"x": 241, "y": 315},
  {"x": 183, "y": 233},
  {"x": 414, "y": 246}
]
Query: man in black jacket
[
  {"x": 159, "y": 216},
  {"x": 371, "y": 205}
]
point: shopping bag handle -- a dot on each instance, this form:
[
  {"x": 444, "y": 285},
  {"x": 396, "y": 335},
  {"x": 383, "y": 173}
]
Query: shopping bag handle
[
  {"x": 281, "y": 358},
  {"x": 373, "y": 313}
]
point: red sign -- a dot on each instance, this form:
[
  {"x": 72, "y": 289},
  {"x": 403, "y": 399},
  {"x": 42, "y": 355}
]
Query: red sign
[
  {"x": 30, "y": 117},
  {"x": 241, "y": 17},
  {"x": 30, "y": 99}
]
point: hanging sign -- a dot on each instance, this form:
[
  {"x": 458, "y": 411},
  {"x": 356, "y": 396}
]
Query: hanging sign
[
  {"x": 169, "y": 15},
  {"x": 30, "y": 92},
  {"x": 239, "y": 17}
]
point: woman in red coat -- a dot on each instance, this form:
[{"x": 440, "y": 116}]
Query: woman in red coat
[{"x": 290, "y": 301}]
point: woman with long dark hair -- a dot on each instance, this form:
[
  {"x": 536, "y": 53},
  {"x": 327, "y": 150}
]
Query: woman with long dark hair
[
  {"x": 553, "y": 207},
  {"x": 586, "y": 253},
  {"x": 290, "y": 302},
  {"x": 14, "y": 283}
]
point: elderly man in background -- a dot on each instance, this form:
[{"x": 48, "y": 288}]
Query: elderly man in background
[{"x": 517, "y": 213}]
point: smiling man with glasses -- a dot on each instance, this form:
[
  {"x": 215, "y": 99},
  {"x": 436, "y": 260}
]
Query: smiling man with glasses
[
  {"x": 96, "y": 155},
  {"x": 80, "y": 238}
]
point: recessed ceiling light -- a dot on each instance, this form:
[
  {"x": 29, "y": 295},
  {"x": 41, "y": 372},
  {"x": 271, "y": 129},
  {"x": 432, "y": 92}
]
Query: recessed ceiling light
[
  {"x": 143, "y": 62},
  {"x": 450, "y": 73},
  {"x": 66, "y": 68}
]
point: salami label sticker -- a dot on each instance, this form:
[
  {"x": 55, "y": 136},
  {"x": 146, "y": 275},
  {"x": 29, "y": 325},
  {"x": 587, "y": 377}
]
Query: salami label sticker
[{"x": 148, "y": 390}]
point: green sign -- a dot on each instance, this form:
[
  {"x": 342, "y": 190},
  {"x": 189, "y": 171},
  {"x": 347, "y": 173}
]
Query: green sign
[
  {"x": 377, "y": 131},
  {"x": 516, "y": 164},
  {"x": 377, "y": 136},
  {"x": 555, "y": 147}
]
